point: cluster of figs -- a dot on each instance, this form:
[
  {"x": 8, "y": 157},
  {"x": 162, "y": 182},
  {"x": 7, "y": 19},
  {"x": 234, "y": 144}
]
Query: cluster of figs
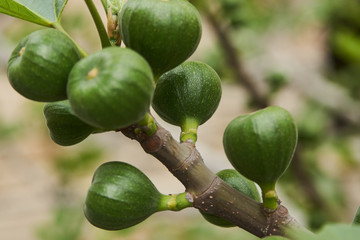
[{"x": 114, "y": 88}]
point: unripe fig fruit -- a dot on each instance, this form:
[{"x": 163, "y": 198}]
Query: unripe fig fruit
[
  {"x": 166, "y": 33},
  {"x": 187, "y": 96},
  {"x": 260, "y": 146},
  {"x": 120, "y": 196},
  {"x": 240, "y": 183},
  {"x": 65, "y": 128},
  {"x": 111, "y": 89},
  {"x": 39, "y": 66}
]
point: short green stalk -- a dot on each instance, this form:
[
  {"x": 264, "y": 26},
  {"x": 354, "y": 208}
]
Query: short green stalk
[
  {"x": 270, "y": 197},
  {"x": 105, "y": 42},
  {"x": 58, "y": 26},
  {"x": 146, "y": 125},
  {"x": 175, "y": 202},
  {"x": 189, "y": 130}
]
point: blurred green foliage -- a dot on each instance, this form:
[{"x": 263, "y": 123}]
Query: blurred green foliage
[
  {"x": 245, "y": 21},
  {"x": 72, "y": 165},
  {"x": 8, "y": 131},
  {"x": 343, "y": 23},
  {"x": 66, "y": 224},
  {"x": 331, "y": 231}
]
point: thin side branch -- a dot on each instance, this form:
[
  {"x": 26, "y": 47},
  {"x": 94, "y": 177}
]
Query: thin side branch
[{"x": 98, "y": 23}]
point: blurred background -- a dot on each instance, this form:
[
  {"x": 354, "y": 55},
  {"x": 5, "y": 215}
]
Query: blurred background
[{"x": 303, "y": 55}]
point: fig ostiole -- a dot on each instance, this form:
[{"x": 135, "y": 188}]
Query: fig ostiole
[
  {"x": 165, "y": 33},
  {"x": 39, "y": 66},
  {"x": 64, "y": 126},
  {"x": 121, "y": 196},
  {"x": 241, "y": 184},
  {"x": 260, "y": 146},
  {"x": 187, "y": 96},
  {"x": 111, "y": 89}
]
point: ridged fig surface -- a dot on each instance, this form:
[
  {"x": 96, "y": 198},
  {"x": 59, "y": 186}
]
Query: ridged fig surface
[
  {"x": 39, "y": 66},
  {"x": 166, "y": 33},
  {"x": 65, "y": 128},
  {"x": 260, "y": 145},
  {"x": 120, "y": 196},
  {"x": 191, "y": 90},
  {"x": 111, "y": 89}
]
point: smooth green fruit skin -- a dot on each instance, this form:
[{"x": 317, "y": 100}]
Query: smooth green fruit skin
[
  {"x": 65, "y": 128},
  {"x": 120, "y": 196},
  {"x": 41, "y": 71},
  {"x": 166, "y": 33},
  {"x": 240, "y": 183},
  {"x": 191, "y": 90},
  {"x": 117, "y": 94},
  {"x": 260, "y": 145}
]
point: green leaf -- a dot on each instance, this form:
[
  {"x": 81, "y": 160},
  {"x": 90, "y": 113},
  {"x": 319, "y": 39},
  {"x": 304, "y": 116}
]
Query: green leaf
[
  {"x": 276, "y": 238},
  {"x": 339, "y": 232},
  {"x": 331, "y": 231},
  {"x": 115, "y": 5},
  {"x": 40, "y": 12},
  {"x": 356, "y": 220}
]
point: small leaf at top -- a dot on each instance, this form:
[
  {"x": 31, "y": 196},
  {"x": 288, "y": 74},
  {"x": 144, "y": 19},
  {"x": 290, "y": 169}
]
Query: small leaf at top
[
  {"x": 115, "y": 5},
  {"x": 40, "y": 12}
]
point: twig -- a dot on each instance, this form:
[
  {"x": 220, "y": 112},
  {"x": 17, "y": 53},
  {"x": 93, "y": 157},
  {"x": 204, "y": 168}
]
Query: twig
[
  {"x": 210, "y": 194},
  {"x": 98, "y": 23}
]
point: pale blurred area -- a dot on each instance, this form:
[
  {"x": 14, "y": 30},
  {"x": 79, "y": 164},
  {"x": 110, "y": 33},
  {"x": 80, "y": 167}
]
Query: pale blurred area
[{"x": 43, "y": 185}]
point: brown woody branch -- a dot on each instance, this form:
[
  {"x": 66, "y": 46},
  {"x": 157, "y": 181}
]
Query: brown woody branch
[
  {"x": 259, "y": 100},
  {"x": 210, "y": 194}
]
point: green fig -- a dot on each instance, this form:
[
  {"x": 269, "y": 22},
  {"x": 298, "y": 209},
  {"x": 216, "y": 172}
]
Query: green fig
[
  {"x": 165, "y": 33},
  {"x": 65, "y": 128},
  {"x": 240, "y": 183},
  {"x": 260, "y": 146},
  {"x": 187, "y": 96},
  {"x": 120, "y": 196},
  {"x": 111, "y": 89},
  {"x": 39, "y": 66}
]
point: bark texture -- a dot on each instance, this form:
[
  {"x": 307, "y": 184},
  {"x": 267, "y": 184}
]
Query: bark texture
[{"x": 209, "y": 193}]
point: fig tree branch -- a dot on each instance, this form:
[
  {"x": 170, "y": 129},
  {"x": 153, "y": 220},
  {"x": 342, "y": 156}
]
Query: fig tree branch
[
  {"x": 260, "y": 100},
  {"x": 210, "y": 194}
]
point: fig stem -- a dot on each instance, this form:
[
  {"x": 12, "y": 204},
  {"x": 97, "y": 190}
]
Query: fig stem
[
  {"x": 105, "y": 42},
  {"x": 270, "y": 197},
  {"x": 189, "y": 130},
  {"x": 147, "y": 125},
  {"x": 175, "y": 202},
  {"x": 59, "y": 27}
]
